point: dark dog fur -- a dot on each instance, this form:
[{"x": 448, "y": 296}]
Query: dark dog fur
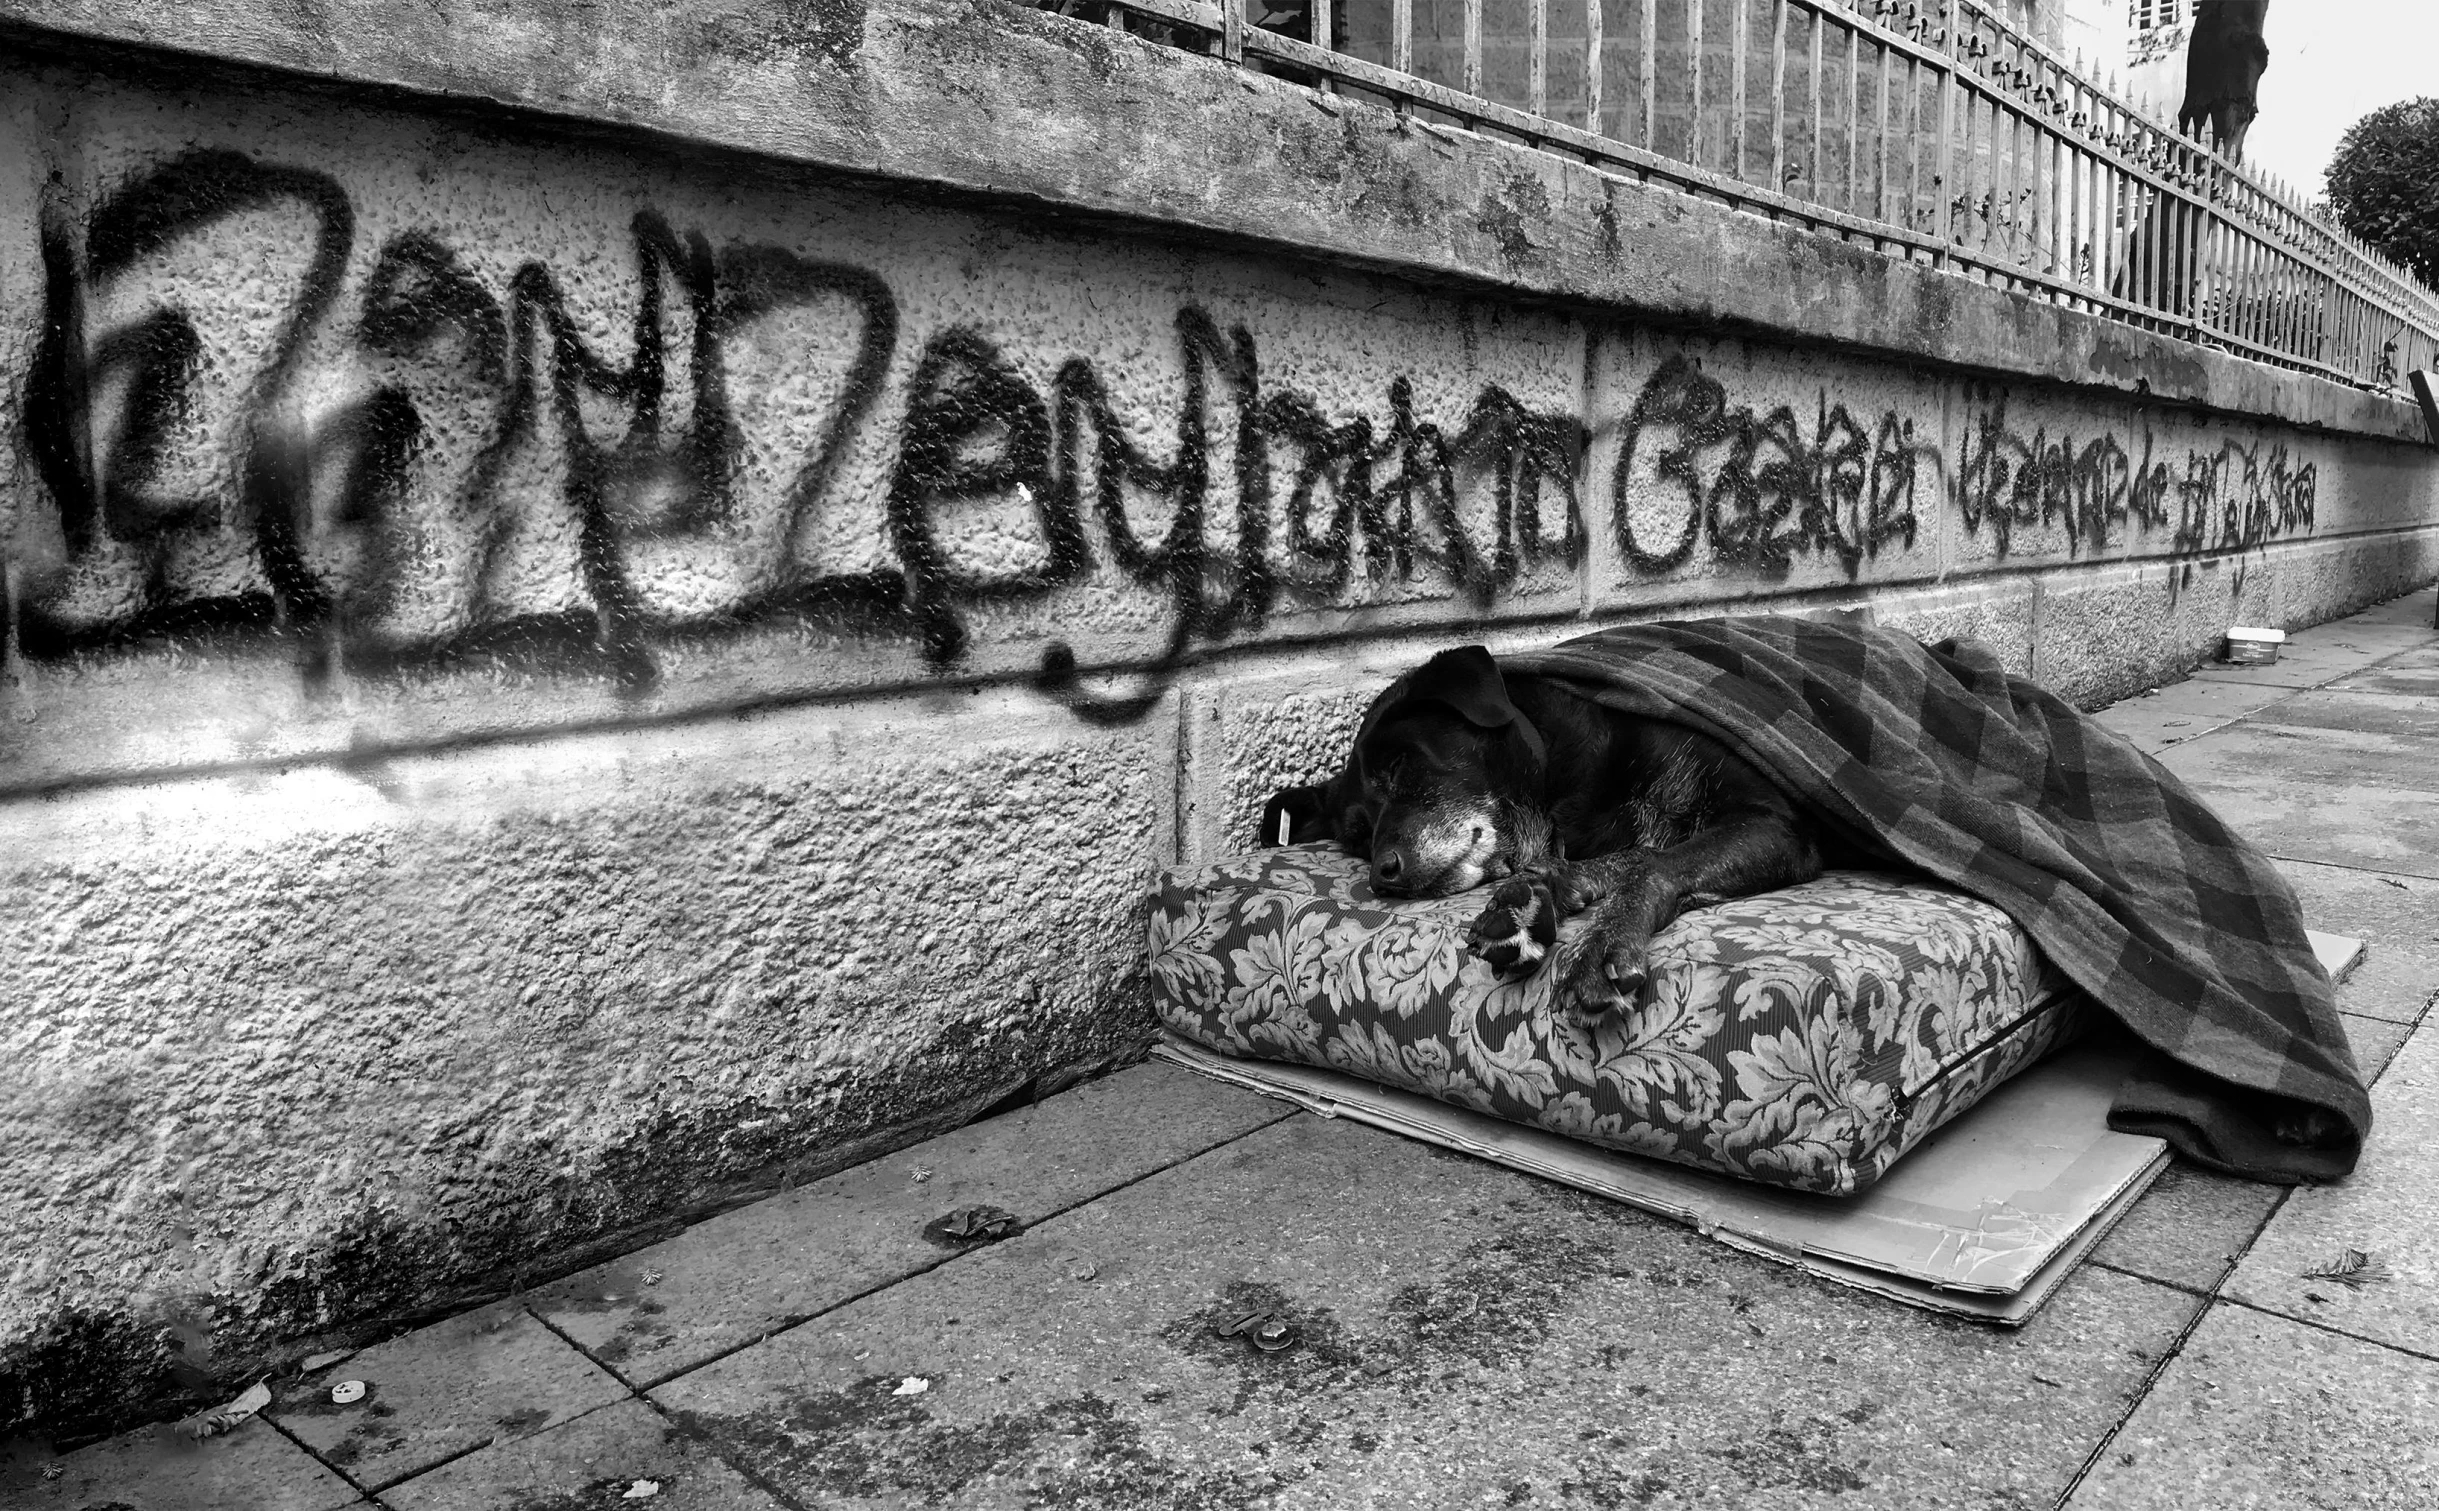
[{"x": 1461, "y": 775}]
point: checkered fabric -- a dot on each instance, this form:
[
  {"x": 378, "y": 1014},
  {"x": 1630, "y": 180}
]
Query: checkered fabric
[{"x": 2127, "y": 881}]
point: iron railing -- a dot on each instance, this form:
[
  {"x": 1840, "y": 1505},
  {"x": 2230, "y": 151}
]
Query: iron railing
[{"x": 1934, "y": 131}]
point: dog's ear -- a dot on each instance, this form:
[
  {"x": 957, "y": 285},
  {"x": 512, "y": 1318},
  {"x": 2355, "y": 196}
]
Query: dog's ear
[
  {"x": 1467, "y": 680},
  {"x": 1296, "y": 815}
]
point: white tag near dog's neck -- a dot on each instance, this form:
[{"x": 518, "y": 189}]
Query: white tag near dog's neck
[{"x": 1286, "y": 825}]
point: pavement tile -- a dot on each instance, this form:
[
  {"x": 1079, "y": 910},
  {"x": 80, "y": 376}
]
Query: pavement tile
[
  {"x": 2182, "y": 710},
  {"x": 2412, "y": 675},
  {"x": 481, "y": 1377},
  {"x": 2260, "y": 1412},
  {"x": 2189, "y": 1228},
  {"x": 253, "y": 1468},
  {"x": 725, "y": 1282},
  {"x": 2388, "y": 1209},
  {"x": 2375, "y": 1041},
  {"x": 2396, "y": 917},
  {"x": 2313, "y": 657},
  {"x": 2367, "y": 712},
  {"x": 602, "y": 1459},
  {"x": 2340, "y": 797},
  {"x": 2413, "y": 611},
  {"x": 1467, "y": 1335}
]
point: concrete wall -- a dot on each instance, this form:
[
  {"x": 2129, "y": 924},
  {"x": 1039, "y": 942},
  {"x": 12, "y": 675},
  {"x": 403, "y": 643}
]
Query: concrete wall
[{"x": 556, "y": 674}]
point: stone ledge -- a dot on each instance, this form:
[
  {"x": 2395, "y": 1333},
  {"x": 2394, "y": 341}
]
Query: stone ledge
[{"x": 997, "y": 99}]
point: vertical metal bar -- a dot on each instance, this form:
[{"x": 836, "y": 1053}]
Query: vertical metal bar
[
  {"x": 2013, "y": 219},
  {"x": 1736, "y": 97},
  {"x": 2255, "y": 315},
  {"x": 1913, "y": 142},
  {"x": 1880, "y": 140},
  {"x": 1592, "y": 66},
  {"x": 1854, "y": 119},
  {"x": 1693, "y": 48},
  {"x": 1943, "y": 178},
  {"x": 1232, "y": 30},
  {"x": 1473, "y": 47},
  {"x": 1537, "y": 59},
  {"x": 1778, "y": 96},
  {"x": 1812, "y": 167},
  {"x": 1401, "y": 35},
  {"x": 2104, "y": 229},
  {"x": 2053, "y": 202},
  {"x": 1649, "y": 11},
  {"x": 2155, "y": 232},
  {"x": 2119, "y": 227},
  {"x": 1324, "y": 33}
]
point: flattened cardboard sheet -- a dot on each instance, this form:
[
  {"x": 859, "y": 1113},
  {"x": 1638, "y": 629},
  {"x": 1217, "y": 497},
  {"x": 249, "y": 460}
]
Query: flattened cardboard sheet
[
  {"x": 1983, "y": 1219},
  {"x": 2338, "y": 955}
]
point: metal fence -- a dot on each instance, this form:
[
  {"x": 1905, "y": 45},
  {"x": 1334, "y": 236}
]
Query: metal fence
[{"x": 1938, "y": 132}]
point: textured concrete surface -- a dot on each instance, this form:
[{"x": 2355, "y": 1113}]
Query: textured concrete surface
[
  {"x": 2397, "y": 917},
  {"x": 2170, "y": 715},
  {"x": 621, "y": 1455},
  {"x": 2414, "y": 674},
  {"x": 2321, "y": 795},
  {"x": 253, "y": 1468},
  {"x": 552, "y": 679},
  {"x": 1468, "y": 1335},
  {"x": 2190, "y": 1228},
  {"x": 482, "y": 1377},
  {"x": 2258, "y": 1412},
  {"x": 2383, "y": 1213},
  {"x": 581, "y": 987},
  {"x": 676, "y": 1305}
]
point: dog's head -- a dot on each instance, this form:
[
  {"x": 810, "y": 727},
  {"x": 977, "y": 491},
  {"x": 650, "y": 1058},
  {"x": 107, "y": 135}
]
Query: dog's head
[{"x": 1439, "y": 792}]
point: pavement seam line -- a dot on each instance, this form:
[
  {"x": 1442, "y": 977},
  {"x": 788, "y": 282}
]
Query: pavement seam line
[
  {"x": 2174, "y": 1351},
  {"x": 2216, "y": 1297},
  {"x": 748, "y": 1472},
  {"x": 790, "y": 1324},
  {"x": 2339, "y": 865},
  {"x": 2318, "y": 1326},
  {"x": 720, "y": 1450},
  {"x": 2174, "y": 1285},
  {"x": 345, "y": 1478},
  {"x": 349, "y": 1480}
]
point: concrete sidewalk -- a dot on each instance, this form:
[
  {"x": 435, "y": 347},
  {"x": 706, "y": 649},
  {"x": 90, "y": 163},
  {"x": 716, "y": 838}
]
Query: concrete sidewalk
[{"x": 1469, "y": 1336}]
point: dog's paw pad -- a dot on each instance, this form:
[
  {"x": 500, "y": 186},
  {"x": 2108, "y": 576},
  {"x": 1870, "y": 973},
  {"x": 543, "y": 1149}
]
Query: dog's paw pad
[
  {"x": 1513, "y": 935},
  {"x": 1599, "y": 982}
]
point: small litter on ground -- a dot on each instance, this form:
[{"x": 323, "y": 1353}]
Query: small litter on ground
[
  {"x": 2352, "y": 1269},
  {"x": 965, "y": 1225},
  {"x": 228, "y": 1418}
]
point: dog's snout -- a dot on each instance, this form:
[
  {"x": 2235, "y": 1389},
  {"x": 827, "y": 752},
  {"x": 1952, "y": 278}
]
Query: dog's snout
[{"x": 1389, "y": 863}]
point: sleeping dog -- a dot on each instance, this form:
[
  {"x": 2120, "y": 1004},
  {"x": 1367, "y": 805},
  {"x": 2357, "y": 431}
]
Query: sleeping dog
[{"x": 1461, "y": 775}]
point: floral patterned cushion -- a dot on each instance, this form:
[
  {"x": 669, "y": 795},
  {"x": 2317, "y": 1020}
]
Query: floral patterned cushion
[{"x": 1806, "y": 1037}]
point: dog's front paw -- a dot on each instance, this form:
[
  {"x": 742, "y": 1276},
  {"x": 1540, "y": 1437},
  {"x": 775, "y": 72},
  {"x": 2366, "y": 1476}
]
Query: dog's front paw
[
  {"x": 1515, "y": 933},
  {"x": 1602, "y": 974}
]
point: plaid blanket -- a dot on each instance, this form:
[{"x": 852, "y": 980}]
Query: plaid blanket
[{"x": 2133, "y": 887}]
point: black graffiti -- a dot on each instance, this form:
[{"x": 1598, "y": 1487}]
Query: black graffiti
[
  {"x": 387, "y": 531},
  {"x": 1843, "y": 490},
  {"x": 1754, "y": 489},
  {"x": 2232, "y": 498},
  {"x": 154, "y": 360},
  {"x": 383, "y": 478}
]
